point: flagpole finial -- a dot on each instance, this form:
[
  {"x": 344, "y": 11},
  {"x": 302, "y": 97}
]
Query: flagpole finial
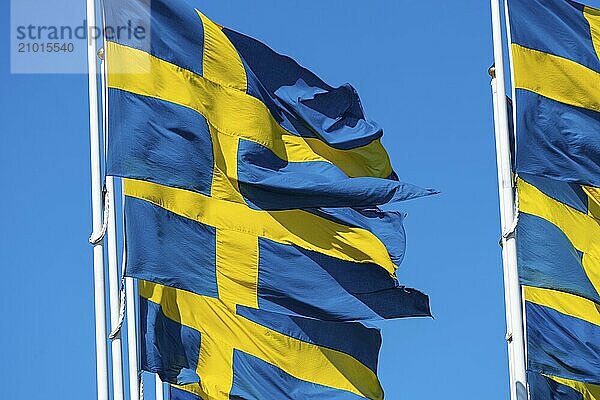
[{"x": 492, "y": 71}]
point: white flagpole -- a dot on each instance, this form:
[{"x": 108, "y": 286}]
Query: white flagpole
[
  {"x": 114, "y": 278},
  {"x": 514, "y": 117},
  {"x": 160, "y": 392},
  {"x": 131, "y": 317},
  {"x": 96, "y": 180},
  {"x": 114, "y": 291},
  {"x": 502, "y": 201},
  {"x": 132, "y": 344},
  {"x": 514, "y": 312}
]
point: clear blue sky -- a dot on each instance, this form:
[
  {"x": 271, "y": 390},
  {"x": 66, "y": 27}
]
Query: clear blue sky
[{"x": 422, "y": 73}]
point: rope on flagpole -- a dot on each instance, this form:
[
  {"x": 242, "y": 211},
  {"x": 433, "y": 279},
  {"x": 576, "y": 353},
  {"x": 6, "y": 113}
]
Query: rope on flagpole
[
  {"x": 135, "y": 377},
  {"x": 97, "y": 237},
  {"x": 510, "y": 230},
  {"x": 122, "y": 295},
  {"x": 116, "y": 332},
  {"x": 141, "y": 386}
]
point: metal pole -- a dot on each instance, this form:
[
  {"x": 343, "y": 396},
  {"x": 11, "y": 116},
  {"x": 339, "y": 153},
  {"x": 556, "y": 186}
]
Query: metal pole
[
  {"x": 515, "y": 335},
  {"x": 131, "y": 317},
  {"x": 132, "y": 344},
  {"x": 114, "y": 278},
  {"x": 96, "y": 180},
  {"x": 160, "y": 393},
  {"x": 502, "y": 202},
  {"x": 114, "y": 295},
  {"x": 522, "y": 389}
]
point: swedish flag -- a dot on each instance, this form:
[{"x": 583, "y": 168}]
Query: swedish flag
[
  {"x": 555, "y": 51},
  {"x": 248, "y": 178},
  {"x": 558, "y": 242},
  {"x": 557, "y": 79},
  {"x": 261, "y": 212},
  {"x": 212, "y": 352}
]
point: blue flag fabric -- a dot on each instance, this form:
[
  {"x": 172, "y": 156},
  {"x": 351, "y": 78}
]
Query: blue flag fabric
[
  {"x": 552, "y": 388},
  {"x": 555, "y": 51},
  {"x": 179, "y": 394}
]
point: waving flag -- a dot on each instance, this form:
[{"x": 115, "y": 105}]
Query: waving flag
[
  {"x": 250, "y": 179},
  {"x": 262, "y": 213},
  {"x": 555, "y": 50},
  {"x": 213, "y": 352},
  {"x": 559, "y": 253},
  {"x": 557, "y": 79}
]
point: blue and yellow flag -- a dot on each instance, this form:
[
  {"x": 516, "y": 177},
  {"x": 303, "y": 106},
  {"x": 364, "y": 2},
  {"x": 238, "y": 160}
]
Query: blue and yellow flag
[
  {"x": 262, "y": 212},
  {"x": 249, "y": 179},
  {"x": 209, "y": 351},
  {"x": 557, "y": 80},
  {"x": 558, "y": 242},
  {"x": 555, "y": 51}
]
